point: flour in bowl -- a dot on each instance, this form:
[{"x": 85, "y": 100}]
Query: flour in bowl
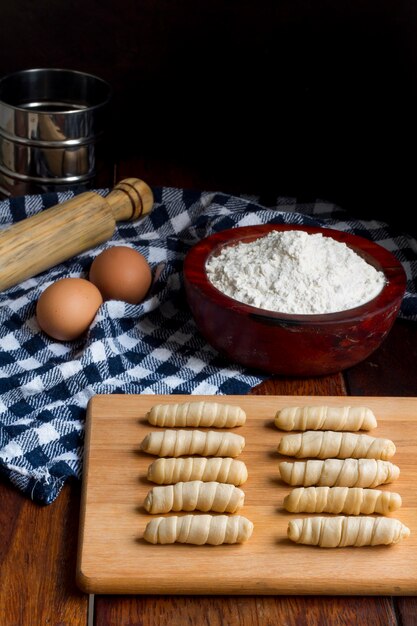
[{"x": 295, "y": 272}]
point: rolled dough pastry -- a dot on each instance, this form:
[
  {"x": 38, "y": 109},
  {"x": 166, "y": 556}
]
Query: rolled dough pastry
[
  {"x": 179, "y": 442},
  {"x": 325, "y": 418},
  {"x": 341, "y": 473},
  {"x": 222, "y": 470},
  {"x": 199, "y": 529},
  {"x": 341, "y": 531},
  {"x": 349, "y": 500},
  {"x": 203, "y": 414},
  {"x": 330, "y": 444},
  {"x": 195, "y": 495}
]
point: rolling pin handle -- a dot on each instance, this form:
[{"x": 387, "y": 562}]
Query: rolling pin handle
[{"x": 130, "y": 199}]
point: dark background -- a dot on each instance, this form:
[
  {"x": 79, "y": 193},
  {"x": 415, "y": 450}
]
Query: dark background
[{"x": 278, "y": 97}]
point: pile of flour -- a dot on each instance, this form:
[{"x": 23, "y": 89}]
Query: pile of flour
[{"x": 295, "y": 272}]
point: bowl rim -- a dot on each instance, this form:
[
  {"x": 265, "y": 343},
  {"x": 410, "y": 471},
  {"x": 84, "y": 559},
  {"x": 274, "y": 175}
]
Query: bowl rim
[{"x": 379, "y": 257}]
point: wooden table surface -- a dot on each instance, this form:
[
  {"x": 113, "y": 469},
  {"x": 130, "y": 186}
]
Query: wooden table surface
[{"x": 38, "y": 545}]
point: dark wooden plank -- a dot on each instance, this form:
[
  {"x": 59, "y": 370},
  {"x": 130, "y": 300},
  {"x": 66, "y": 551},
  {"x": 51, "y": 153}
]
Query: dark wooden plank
[
  {"x": 38, "y": 556},
  {"x": 391, "y": 371},
  {"x": 242, "y": 611},
  {"x": 316, "y": 386},
  {"x": 407, "y": 610}
]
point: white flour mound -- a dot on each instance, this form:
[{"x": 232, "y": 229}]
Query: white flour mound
[{"x": 295, "y": 272}]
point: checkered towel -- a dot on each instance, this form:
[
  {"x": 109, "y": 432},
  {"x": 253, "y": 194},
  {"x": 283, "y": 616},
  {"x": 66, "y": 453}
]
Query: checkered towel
[{"x": 150, "y": 348}]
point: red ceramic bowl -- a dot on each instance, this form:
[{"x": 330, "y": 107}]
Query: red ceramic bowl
[{"x": 288, "y": 344}]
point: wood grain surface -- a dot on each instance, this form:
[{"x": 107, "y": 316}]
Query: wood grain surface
[
  {"x": 37, "y": 570},
  {"x": 37, "y": 560},
  {"x": 113, "y": 557}
]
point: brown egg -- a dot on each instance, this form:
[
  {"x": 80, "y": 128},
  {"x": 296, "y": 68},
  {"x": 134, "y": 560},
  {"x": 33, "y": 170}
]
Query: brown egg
[
  {"x": 66, "y": 308},
  {"x": 121, "y": 273}
]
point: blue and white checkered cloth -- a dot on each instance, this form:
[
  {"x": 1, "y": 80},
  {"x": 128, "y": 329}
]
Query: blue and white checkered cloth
[{"x": 150, "y": 348}]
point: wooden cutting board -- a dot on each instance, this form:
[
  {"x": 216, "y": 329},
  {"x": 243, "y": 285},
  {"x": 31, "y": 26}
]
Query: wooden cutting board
[{"x": 114, "y": 558}]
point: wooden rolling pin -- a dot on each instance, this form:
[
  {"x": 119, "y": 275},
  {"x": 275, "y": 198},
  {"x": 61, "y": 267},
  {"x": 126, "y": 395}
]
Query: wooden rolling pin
[{"x": 65, "y": 230}]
